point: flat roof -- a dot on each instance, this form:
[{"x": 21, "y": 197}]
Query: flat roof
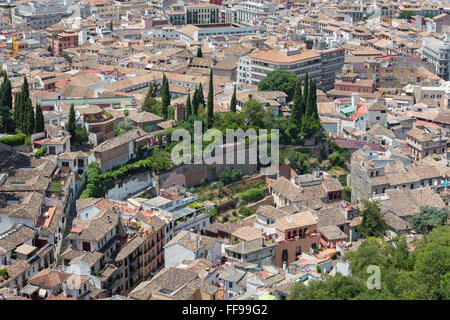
[{"x": 25, "y": 249}]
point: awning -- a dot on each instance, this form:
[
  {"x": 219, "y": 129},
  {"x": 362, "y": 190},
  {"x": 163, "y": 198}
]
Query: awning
[
  {"x": 42, "y": 293},
  {"x": 29, "y": 289}
]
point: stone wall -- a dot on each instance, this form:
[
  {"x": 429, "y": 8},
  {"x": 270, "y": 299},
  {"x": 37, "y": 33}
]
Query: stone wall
[{"x": 129, "y": 187}]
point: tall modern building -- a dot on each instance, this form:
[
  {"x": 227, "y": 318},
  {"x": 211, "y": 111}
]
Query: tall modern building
[{"x": 254, "y": 67}]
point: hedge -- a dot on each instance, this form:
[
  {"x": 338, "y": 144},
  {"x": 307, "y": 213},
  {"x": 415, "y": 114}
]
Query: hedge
[{"x": 16, "y": 140}]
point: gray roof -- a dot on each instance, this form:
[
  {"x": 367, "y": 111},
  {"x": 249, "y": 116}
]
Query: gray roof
[
  {"x": 246, "y": 247},
  {"x": 332, "y": 232},
  {"x": 330, "y": 216},
  {"x": 232, "y": 275},
  {"x": 15, "y": 237}
]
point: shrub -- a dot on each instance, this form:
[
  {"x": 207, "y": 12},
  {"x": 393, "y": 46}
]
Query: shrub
[
  {"x": 253, "y": 194},
  {"x": 40, "y": 152},
  {"x": 245, "y": 211},
  {"x": 15, "y": 140},
  {"x": 4, "y": 273}
]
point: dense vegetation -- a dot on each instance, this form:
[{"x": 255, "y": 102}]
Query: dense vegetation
[
  {"x": 279, "y": 80},
  {"x": 40, "y": 152},
  {"x": 15, "y": 140},
  {"x": 373, "y": 223},
  {"x": 429, "y": 217},
  {"x": 99, "y": 183},
  {"x": 228, "y": 175},
  {"x": 253, "y": 194},
  {"x": 421, "y": 274}
]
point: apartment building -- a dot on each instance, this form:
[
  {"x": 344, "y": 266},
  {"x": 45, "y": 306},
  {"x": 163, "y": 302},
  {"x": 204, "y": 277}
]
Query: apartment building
[
  {"x": 41, "y": 15},
  {"x": 437, "y": 52},
  {"x": 351, "y": 83},
  {"x": 254, "y": 12},
  {"x": 202, "y": 13},
  {"x": 198, "y": 32},
  {"x": 64, "y": 40},
  {"x": 332, "y": 62},
  {"x": 255, "y": 67},
  {"x": 425, "y": 140},
  {"x": 195, "y": 13},
  {"x": 307, "y": 189},
  {"x": 99, "y": 124},
  {"x": 118, "y": 150},
  {"x": 373, "y": 173}
]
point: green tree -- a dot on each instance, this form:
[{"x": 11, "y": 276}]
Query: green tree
[
  {"x": 428, "y": 217},
  {"x": 313, "y": 93},
  {"x": 18, "y": 111},
  {"x": 338, "y": 287},
  {"x": 152, "y": 89},
  {"x": 233, "y": 100},
  {"x": 81, "y": 136},
  {"x": 29, "y": 118},
  {"x": 188, "y": 106},
  {"x": 347, "y": 194},
  {"x": 298, "y": 107},
  {"x": 165, "y": 97},
  {"x": 201, "y": 97},
  {"x": 195, "y": 102},
  {"x": 279, "y": 80},
  {"x": 6, "y": 119},
  {"x": 124, "y": 126},
  {"x": 23, "y": 109},
  {"x": 210, "y": 103},
  {"x": 306, "y": 91},
  {"x": 6, "y": 92},
  {"x": 199, "y": 52},
  {"x": 72, "y": 122},
  {"x": 39, "y": 125},
  {"x": 373, "y": 223},
  {"x": 253, "y": 113},
  {"x": 405, "y": 15},
  {"x": 149, "y": 104}
]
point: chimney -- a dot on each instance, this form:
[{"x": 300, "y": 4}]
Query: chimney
[{"x": 250, "y": 96}]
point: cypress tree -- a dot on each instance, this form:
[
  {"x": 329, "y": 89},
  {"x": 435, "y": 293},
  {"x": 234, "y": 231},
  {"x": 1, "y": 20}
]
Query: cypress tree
[
  {"x": 39, "y": 119},
  {"x": 165, "y": 97},
  {"x": 6, "y": 92},
  {"x": 22, "y": 108},
  {"x": 199, "y": 52},
  {"x": 71, "y": 123},
  {"x": 29, "y": 117},
  {"x": 310, "y": 123},
  {"x": 306, "y": 89},
  {"x": 201, "y": 97},
  {"x": 17, "y": 111},
  {"x": 298, "y": 106},
  {"x": 313, "y": 93},
  {"x": 195, "y": 102},
  {"x": 233, "y": 101},
  {"x": 188, "y": 106},
  {"x": 210, "y": 102}
]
